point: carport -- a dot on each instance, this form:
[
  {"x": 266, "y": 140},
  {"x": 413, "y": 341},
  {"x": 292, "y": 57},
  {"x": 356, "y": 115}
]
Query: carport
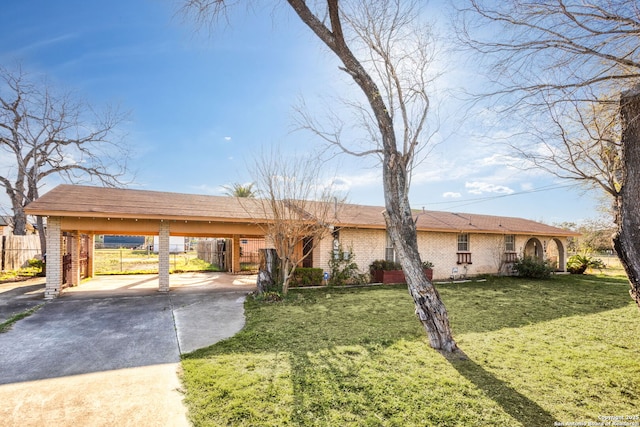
[{"x": 78, "y": 210}]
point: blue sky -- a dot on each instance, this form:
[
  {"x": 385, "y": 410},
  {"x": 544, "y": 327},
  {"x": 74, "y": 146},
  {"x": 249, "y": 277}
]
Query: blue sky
[{"x": 202, "y": 103}]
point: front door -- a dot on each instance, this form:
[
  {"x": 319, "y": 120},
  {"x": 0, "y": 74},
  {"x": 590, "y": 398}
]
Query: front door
[{"x": 307, "y": 252}]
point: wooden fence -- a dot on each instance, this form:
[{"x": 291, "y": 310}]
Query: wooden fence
[
  {"x": 214, "y": 252},
  {"x": 16, "y": 251},
  {"x": 218, "y": 252}
]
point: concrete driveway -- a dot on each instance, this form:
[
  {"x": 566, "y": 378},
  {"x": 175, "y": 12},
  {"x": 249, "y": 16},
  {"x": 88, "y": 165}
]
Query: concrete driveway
[{"x": 107, "y": 353}]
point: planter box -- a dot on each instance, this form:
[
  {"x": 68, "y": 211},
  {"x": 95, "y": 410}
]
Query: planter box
[{"x": 395, "y": 276}]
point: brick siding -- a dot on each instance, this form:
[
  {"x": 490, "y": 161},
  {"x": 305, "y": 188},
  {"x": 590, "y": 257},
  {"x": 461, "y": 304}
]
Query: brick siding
[{"x": 487, "y": 251}]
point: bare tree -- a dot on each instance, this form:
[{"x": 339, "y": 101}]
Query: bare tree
[
  {"x": 299, "y": 208},
  {"x": 497, "y": 251},
  {"x": 567, "y": 70},
  {"x": 44, "y": 133},
  {"x": 381, "y": 48}
]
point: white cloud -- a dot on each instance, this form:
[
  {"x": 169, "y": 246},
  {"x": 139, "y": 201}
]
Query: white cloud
[
  {"x": 527, "y": 186},
  {"x": 438, "y": 169},
  {"x": 339, "y": 184},
  {"x": 346, "y": 182},
  {"x": 227, "y": 138},
  {"x": 451, "y": 195},
  {"x": 479, "y": 187},
  {"x": 497, "y": 160}
]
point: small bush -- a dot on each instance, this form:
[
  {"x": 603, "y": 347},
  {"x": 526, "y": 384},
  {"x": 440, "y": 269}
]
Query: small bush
[
  {"x": 307, "y": 277},
  {"x": 384, "y": 265},
  {"x": 343, "y": 269},
  {"x": 578, "y": 264},
  {"x": 36, "y": 263},
  {"x": 532, "y": 268},
  {"x": 427, "y": 264}
]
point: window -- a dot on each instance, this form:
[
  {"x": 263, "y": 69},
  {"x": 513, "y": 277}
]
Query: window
[
  {"x": 509, "y": 243},
  {"x": 464, "y": 256},
  {"x": 389, "y": 252},
  {"x": 463, "y": 242}
]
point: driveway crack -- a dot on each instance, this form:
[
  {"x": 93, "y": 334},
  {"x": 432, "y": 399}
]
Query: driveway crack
[{"x": 175, "y": 325}]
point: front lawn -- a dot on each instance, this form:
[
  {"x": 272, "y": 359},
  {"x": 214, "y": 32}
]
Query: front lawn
[
  {"x": 131, "y": 261},
  {"x": 539, "y": 353}
]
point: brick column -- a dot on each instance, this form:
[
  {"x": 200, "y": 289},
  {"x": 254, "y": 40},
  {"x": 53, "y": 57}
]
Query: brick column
[
  {"x": 74, "y": 277},
  {"x": 54, "y": 258},
  {"x": 163, "y": 257}
]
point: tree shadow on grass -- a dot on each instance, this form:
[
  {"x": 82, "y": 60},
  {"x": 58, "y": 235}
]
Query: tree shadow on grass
[
  {"x": 520, "y": 407},
  {"x": 313, "y": 324}
]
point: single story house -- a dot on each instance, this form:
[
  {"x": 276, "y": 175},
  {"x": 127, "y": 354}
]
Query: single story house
[{"x": 457, "y": 244}]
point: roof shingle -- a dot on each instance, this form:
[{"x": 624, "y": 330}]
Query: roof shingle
[{"x": 100, "y": 202}]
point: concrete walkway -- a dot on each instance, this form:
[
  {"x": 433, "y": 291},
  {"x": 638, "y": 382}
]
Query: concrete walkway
[{"x": 107, "y": 353}]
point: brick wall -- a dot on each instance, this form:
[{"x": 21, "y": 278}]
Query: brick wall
[
  {"x": 487, "y": 251},
  {"x": 367, "y": 245}
]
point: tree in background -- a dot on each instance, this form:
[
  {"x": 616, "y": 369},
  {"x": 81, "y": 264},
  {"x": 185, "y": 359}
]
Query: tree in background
[
  {"x": 595, "y": 236},
  {"x": 567, "y": 72},
  {"x": 239, "y": 190},
  {"x": 385, "y": 49},
  {"x": 46, "y": 133}
]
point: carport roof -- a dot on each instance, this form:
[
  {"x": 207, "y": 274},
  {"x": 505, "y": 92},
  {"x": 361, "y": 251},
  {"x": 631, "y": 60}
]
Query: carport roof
[{"x": 99, "y": 202}]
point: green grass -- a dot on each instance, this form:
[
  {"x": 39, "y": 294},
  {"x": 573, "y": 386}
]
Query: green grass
[
  {"x": 539, "y": 352},
  {"x": 7, "y": 324},
  {"x": 21, "y": 274},
  {"x": 130, "y": 261}
]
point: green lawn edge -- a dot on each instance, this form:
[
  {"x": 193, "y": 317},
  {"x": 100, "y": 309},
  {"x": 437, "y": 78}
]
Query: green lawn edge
[{"x": 8, "y": 324}]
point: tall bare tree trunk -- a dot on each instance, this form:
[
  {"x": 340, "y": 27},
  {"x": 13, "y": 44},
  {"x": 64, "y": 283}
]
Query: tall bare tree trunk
[
  {"x": 396, "y": 169},
  {"x": 16, "y": 194},
  {"x": 19, "y": 222},
  {"x": 400, "y": 224},
  {"x": 42, "y": 235},
  {"x": 627, "y": 238}
]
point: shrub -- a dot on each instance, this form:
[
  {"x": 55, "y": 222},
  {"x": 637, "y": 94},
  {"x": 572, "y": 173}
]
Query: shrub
[
  {"x": 343, "y": 268},
  {"x": 36, "y": 263},
  {"x": 578, "y": 264},
  {"x": 384, "y": 265},
  {"x": 307, "y": 277},
  {"x": 532, "y": 268}
]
